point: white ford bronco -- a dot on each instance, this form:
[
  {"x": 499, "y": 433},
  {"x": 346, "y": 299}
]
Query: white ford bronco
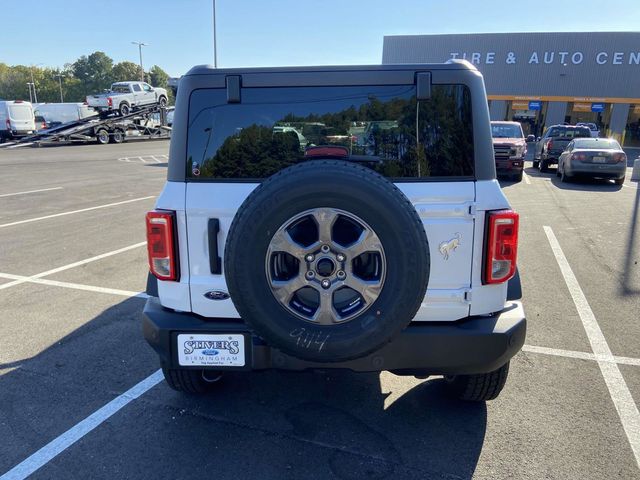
[{"x": 334, "y": 217}]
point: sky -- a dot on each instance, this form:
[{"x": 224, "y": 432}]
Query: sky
[{"x": 273, "y": 32}]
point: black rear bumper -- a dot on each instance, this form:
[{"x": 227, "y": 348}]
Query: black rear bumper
[{"x": 475, "y": 345}]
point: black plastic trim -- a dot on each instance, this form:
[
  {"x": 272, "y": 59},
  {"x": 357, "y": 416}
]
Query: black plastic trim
[
  {"x": 233, "y": 88},
  {"x": 514, "y": 288},
  {"x": 215, "y": 262},
  {"x": 423, "y": 85},
  {"x": 152, "y": 285},
  {"x": 474, "y": 345}
]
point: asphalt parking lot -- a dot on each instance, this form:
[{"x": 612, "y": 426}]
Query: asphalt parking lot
[{"x": 80, "y": 396}]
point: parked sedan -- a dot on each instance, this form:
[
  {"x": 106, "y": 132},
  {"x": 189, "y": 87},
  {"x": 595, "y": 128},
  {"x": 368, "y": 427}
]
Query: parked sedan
[{"x": 593, "y": 157}]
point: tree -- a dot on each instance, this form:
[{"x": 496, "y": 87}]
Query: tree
[
  {"x": 94, "y": 71},
  {"x": 87, "y": 75},
  {"x": 125, "y": 71},
  {"x": 160, "y": 78}
]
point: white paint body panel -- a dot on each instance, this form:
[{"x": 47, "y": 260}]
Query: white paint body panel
[
  {"x": 176, "y": 295},
  {"x": 449, "y": 210}
]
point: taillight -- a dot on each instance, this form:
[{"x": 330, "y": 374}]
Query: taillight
[
  {"x": 161, "y": 244},
  {"x": 501, "y": 247},
  {"x": 580, "y": 157},
  {"x": 549, "y": 144},
  {"x": 110, "y": 101},
  {"x": 620, "y": 157}
]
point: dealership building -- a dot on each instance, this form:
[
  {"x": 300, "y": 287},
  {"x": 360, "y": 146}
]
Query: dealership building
[{"x": 543, "y": 79}]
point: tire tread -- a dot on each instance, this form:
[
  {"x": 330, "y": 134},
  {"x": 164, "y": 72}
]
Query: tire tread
[{"x": 480, "y": 387}]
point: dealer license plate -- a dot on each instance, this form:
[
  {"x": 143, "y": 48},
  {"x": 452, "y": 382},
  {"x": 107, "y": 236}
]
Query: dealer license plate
[
  {"x": 220, "y": 350},
  {"x": 599, "y": 159}
]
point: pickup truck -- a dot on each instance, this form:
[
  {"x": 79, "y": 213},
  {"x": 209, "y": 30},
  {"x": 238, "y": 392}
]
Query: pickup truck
[
  {"x": 125, "y": 96},
  {"x": 509, "y": 148},
  {"x": 554, "y": 141}
]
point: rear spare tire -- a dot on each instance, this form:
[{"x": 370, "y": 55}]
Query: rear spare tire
[{"x": 327, "y": 261}]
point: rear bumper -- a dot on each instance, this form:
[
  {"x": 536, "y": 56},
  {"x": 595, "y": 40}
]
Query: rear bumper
[
  {"x": 617, "y": 170},
  {"x": 552, "y": 156},
  {"x": 474, "y": 345}
]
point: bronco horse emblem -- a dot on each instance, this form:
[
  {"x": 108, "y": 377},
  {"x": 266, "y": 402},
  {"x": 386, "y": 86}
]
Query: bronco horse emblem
[{"x": 446, "y": 248}]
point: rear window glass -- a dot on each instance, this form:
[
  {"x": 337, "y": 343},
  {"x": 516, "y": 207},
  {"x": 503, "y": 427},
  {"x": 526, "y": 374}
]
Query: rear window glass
[
  {"x": 382, "y": 127},
  {"x": 20, "y": 112},
  {"x": 120, "y": 89},
  {"x": 506, "y": 130},
  {"x": 568, "y": 132},
  {"x": 596, "y": 143}
]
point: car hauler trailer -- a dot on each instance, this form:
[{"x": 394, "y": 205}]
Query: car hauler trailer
[{"x": 146, "y": 123}]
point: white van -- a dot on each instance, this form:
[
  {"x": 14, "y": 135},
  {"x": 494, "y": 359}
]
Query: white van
[
  {"x": 58, "y": 113},
  {"x": 16, "y": 119}
]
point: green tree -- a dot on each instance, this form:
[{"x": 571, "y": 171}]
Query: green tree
[
  {"x": 125, "y": 71},
  {"x": 94, "y": 72},
  {"x": 159, "y": 78}
]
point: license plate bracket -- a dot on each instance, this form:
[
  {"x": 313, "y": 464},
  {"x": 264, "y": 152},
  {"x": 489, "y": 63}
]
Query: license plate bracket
[{"x": 214, "y": 350}]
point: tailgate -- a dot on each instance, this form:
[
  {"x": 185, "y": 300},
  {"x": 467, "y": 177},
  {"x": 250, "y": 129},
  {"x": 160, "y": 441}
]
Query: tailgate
[
  {"x": 97, "y": 101},
  {"x": 446, "y": 210}
]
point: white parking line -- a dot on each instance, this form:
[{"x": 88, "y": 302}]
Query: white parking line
[
  {"x": 75, "y": 211},
  {"x": 527, "y": 180},
  {"x": 618, "y": 390},
  {"x": 72, "y": 265},
  {"x": 75, "y": 433},
  {"x": 30, "y": 191},
  {"x": 580, "y": 355},
  {"x": 75, "y": 286}
]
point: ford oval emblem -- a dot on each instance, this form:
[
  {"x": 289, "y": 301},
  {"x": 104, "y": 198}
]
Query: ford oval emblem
[{"x": 216, "y": 295}]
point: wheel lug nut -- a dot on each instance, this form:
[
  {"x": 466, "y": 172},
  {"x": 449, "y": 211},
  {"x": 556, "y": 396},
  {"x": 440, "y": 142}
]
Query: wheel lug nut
[
  {"x": 325, "y": 248},
  {"x": 310, "y": 274},
  {"x": 341, "y": 275},
  {"x": 325, "y": 283},
  {"x": 309, "y": 257},
  {"x": 340, "y": 257}
]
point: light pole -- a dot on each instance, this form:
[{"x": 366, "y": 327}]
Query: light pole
[
  {"x": 30, "y": 95},
  {"x": 35, "y": 95},
  {"x": 59, "y": 75},
  {"x": 140, "y": 45},
  {"x": 215, "y": 41}
]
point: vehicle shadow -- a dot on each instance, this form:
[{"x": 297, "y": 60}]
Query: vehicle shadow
[
  {"x": 586, "y": 184},
  {"x": 631, "y": 268},
  {"x": 328, "y": 424},
  {"x": 349, "y": 424},
  {"x": 164, "y": 164}
]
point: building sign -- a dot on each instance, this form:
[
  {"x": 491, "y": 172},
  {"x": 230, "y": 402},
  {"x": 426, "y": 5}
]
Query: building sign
[
  {"x": 535, "y": 57},
  {"x": 581, "y": 107},
  {"x": 597, "y": 107},
  {"x": 535, "y": 105},
  {"x": 520, "y": 105}
]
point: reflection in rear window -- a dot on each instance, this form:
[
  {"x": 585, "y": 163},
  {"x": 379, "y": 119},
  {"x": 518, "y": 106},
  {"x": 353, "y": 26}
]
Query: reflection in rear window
[{"x": 382, "y": 127}]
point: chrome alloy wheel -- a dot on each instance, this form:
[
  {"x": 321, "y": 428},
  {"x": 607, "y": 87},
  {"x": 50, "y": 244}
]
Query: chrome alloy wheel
[{"x": 325, "y": 265}]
